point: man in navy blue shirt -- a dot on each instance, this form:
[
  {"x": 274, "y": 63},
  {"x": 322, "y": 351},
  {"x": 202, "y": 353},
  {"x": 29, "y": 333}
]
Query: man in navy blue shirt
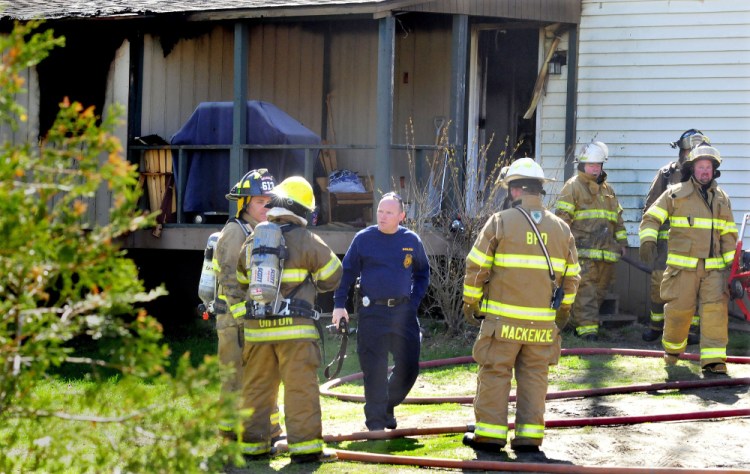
[{"x": 394, "y": 274}]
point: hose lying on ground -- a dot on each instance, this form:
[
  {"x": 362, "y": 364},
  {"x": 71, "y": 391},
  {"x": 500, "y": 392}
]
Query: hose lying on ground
[{"x": 325, "y": 389}]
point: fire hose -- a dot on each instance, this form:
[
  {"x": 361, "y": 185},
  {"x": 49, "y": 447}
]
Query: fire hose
[{"x": 326, "y": 389}]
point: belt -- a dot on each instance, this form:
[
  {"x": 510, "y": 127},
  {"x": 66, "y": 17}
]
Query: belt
[{"x": 391, "y": 302}]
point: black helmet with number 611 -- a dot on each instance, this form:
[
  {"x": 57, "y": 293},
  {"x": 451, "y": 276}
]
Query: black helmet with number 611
[{"x": 255, "y": 183}]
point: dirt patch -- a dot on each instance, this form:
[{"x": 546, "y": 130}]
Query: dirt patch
[{"x": 719, "y": 443}]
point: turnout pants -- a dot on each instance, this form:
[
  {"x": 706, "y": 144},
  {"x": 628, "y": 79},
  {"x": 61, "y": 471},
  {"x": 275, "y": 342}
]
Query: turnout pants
[
  {"x": 683, "y": 290},
  {"x": 295, "y": 363},
  {"x": 596, "y": 278},
  {"x": 656, "y": 320},
  {"x": 497, "y": 360},
  {"x": 231, "y": 341},
  {"x": 382, "y": 331}
]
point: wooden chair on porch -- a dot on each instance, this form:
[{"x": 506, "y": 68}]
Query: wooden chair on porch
[{"x": 333, "y": 204}]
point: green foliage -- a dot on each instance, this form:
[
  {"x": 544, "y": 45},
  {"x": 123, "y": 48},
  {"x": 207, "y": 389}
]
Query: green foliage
[{"x": 67, "y": 285}]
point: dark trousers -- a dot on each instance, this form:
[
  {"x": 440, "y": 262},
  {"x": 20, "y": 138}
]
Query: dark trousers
[{"x": 382, "y": 331}]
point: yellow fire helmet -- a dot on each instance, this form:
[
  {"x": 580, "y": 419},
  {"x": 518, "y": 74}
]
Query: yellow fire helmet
[{"x": 298, "y": 190}]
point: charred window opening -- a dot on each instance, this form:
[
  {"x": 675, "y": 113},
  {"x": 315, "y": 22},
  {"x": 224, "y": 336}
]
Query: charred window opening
[{"x": 77, "y": 71}]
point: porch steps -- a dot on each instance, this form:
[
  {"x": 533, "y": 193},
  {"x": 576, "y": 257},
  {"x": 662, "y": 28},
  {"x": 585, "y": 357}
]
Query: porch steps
[{"x": 609, "y": 312}]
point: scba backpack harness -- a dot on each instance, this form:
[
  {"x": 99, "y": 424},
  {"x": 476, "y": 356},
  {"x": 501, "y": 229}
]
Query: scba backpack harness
[
  {"x": 208, "y": 286},
  {"x": 267, "y": 258}
]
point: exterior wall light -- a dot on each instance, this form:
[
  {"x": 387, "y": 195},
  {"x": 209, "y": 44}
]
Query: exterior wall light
[{"x": 556, "y": 62}]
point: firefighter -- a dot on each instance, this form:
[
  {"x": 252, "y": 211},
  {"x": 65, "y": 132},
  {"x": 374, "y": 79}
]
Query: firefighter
[
  {"x": 394, "y": 274},
  {"x": 508, "y": 288},
  {"x": 587, "y": 203},
  {"x": 666, "y": 176},
  {"x": 252, "y": 195},
  {"x": 702, "y": 240},
  {"x": 282, "y": 346}
]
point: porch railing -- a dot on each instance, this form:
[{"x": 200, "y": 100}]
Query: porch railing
[{"x": 136, "y": 153}]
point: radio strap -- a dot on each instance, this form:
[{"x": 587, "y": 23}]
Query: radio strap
[{"x": 556, "y": 291}]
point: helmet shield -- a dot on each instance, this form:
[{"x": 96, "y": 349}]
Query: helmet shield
[{"x": 690, "y": 139}]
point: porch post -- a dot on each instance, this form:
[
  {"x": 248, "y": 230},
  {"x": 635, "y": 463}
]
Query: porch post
[
  {"x": 458, "y": 97},
  {"x": 570, "y": 103},
  {"x": 239, "y": 110},
  {"x": 386, "y": 53}
]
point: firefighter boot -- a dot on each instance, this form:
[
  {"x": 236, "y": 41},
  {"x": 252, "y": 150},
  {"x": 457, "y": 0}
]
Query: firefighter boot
[
  {"x": 716, "y": 368},
  {"x": 671, "y": 359},
  {"x": 656, "y": 321},
  {"x": 322, "y": 456},
  {"x": 480, "y": 443},
  {"x": 650, "y": 334}
]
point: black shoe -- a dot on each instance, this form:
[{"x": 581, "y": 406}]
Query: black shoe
[
  {"x": 650, "y": 335},
  {"x": 323, "y": 456},
  {"x": 390, "y": 422},
  {"x": 470, "y": 441},
  {"x": 376, "y": 428},
  {"x": 525, "y": 448},
  {"x": 693, "y": 339},
  {"x": 590, "y": 337}
]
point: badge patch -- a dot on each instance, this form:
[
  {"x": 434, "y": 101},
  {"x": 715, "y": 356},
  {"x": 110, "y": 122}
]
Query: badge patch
[
  {"x": 537, "y": 216},
  {"x": 407, "y": 260}
]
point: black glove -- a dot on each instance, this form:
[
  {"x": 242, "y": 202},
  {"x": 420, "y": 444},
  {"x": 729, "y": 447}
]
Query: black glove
[
  {"x": 647, "y": 252},
  {"x": 471, "y": 314}
]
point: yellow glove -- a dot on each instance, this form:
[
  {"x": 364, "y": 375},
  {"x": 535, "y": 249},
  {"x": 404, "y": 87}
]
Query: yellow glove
[
  {"x": 471, "y": 314},
  {"x": 647, "y": 252}
]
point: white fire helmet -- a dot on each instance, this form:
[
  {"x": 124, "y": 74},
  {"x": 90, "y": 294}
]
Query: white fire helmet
[
  {"x": 524, "y": 168},
  {"x": 594, "y": 152}
]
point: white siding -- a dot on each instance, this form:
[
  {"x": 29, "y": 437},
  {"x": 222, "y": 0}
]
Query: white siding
[
  {"x": 649, "y": 70},
  {"x": 550, "y": 121}
]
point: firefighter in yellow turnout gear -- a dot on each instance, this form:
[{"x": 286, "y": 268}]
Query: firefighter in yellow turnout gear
[
  {"x": 283, "y": 345},
  {"x": 587, "y": 203},
  {"x": 702, "y": 240},
  {"x": 668, "y": 175},
  {"x": 508, "y": 287},
  {"x": 251, "y": 194}
]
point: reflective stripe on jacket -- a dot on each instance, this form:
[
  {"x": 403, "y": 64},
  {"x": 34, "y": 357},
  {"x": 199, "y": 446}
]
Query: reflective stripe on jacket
[
  {"x": 309, "y": 257},
  {"x": 699, "y": 228},
  {"x": 224, "y": 262},
  {"x": 594, "y": 215},
  {"x": 508, "y": 272},
  {"x": 666, "y": 176}
]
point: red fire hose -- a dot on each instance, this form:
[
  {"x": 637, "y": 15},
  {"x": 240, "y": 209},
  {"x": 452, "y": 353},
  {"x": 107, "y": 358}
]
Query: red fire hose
[{"x": 325, "y": 389}]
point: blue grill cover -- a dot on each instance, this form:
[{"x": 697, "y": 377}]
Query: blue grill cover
[{"x": 208, "y": 170}]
